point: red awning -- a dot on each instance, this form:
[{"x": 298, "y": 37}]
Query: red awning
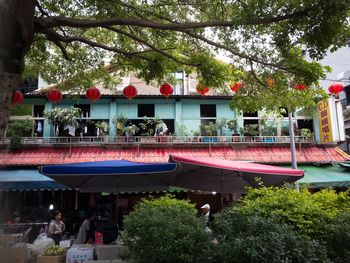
[
  {"x": 239, "y": 166},
  {"x": 224, "y": 176}
]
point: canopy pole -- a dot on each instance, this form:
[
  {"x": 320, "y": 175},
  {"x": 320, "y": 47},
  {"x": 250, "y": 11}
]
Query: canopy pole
[
  {"x": 116, "y": 212},
  {"x": 76, "y": 200},
  {"x": 292, "y": 145}
]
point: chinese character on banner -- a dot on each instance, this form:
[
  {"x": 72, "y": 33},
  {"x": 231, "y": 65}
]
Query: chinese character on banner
[{"x": 324, "y": 121}]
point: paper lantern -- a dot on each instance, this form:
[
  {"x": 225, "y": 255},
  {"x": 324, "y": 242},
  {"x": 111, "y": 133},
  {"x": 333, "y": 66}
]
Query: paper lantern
[
  {"x": 300, "y": 86},
  {"x": 130, "y": 92},
  {"x": 93, "y": 94},
  {"x": 237, "y": 86},
  {"x": 54, "y": 95},
  {"x": 17, "y": 98},
  {"x": 201, "y": 89},
  {"x": 335, "y": 88},
  {"x": 166, "y": 90}
]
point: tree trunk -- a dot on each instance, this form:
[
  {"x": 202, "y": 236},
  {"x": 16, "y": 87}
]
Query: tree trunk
[{"x": 16, "y": 31}]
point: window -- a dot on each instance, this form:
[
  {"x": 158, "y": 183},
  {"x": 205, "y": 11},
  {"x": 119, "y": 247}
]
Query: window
[
  {"x": 38, "y": 111},
  {"x": 208, "y": 110},
  {"x": 250, "y": 114},
  {"x": 247, "y": 122},
  {"x": 306, "y": 124},
  {"x": 85, "y": 110},
  {"x": 145, "y": 110}
]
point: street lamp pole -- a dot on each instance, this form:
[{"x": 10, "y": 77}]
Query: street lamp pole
[{"x": 292, "y": 145}]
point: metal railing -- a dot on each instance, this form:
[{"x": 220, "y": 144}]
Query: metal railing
[{"x": 156, "y": 140}]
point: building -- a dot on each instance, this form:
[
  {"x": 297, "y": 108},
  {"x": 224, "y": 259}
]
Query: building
[{"x": 194, "y": 127}]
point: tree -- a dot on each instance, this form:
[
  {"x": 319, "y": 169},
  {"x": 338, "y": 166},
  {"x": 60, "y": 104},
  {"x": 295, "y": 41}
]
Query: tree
[{"x": 156, "y": 38}]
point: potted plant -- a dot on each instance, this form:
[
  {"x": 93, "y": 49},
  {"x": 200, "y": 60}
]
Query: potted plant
[
  {"x": 61, "y": 118},
  {"x": 210, "y": 130},
  {"x": 195, "y": 136},
  {"x": 249, "y": 130},
  {"x": 103, "y": 129},
  {"x": 305, "y": 132},
  {"x": 220, "y": 126},
  {"x": 53, "y": 254},
  {"x": 120, "y": 122},
  {"x": 147, "y": 128},
  {"x": 17, "y": 129},
  {"x": 232, "y": 125},
  {"x": 130, "y": 130}
]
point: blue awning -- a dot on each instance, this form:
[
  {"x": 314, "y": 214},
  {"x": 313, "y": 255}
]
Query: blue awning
[
  {"x": 26, "y": 180},
  {"x": 107, "y": 168},
  {"x": 113, "y": 176}
]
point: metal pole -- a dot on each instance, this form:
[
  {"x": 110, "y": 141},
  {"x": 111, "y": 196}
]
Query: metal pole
[{"x": 292, "y": 145}]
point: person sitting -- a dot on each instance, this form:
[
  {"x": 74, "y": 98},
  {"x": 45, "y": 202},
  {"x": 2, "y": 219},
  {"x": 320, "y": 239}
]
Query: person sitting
[{"x": 86, "y": 231}]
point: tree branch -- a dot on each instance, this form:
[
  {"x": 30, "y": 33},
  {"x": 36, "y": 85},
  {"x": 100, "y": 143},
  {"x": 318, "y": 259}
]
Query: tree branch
[
  {"x": 54, "y": 21},
  {"x": 132, "y": 36},
  {"x": 254, "y": 75},
  {"x": 41, "y": 9},
  {"x": 55, "y": 37},
  {"x": 208, "y": 41}
]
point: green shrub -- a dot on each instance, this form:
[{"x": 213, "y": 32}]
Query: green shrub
[
  {"x": 250, "y": 238},
  {"x": 166, "y": 230},
  {"x": 17, "y": 129},
  {"x": 307, "y": 213},
  {"x": 337, "y": 238},
  {"x": 320, "y": 218}
]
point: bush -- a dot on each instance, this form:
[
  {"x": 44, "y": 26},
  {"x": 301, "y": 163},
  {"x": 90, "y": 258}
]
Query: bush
[
  {"x": 250, "y": 238},
  {"x": 166, "y": 230},
  {"x": 307, "y": 213},
  {"x": 337, "y": 238},
  {"x": 248, "y": 230}
]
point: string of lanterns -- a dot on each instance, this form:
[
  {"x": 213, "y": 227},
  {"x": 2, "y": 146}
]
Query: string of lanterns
[{"x": 93, "y": 94}]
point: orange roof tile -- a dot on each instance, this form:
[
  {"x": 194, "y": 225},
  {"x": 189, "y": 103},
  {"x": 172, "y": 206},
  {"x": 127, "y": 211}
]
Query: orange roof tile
[{"x": 260, "y": 154}]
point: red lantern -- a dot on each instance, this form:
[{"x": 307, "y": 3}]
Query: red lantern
[
  {"x": 93, "y": 94},
  {"x": 54, "y": 95},
  {"x": 130, "y": 92},
  {"x": 201, "y": 89},
  {"x": 17, "y": 98},
  {"x": 300, "y": 86},
  {"x": 335, "y": 88},
  {"x": 237, "y": 86},
  {"x": 166, "y": 90}
]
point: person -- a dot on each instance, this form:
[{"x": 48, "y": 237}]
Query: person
[
  {"x": 106, "y": 227},
  {"x": 56, "y": 227},
  {"x": 85, "y": 234},
  {"x": 207, "y": 216},
  {"x": 13, "y": 224}
]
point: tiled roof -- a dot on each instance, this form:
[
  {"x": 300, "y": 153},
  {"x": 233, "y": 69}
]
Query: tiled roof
[{"x": 260, "y": 154}]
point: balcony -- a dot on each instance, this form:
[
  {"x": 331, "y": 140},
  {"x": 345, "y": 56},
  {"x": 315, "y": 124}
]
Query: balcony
[{"x": 152, "y": 140}]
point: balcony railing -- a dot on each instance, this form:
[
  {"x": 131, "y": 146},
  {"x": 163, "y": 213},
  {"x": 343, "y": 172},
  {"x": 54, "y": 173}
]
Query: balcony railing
[{"x": 158, "y": 140}]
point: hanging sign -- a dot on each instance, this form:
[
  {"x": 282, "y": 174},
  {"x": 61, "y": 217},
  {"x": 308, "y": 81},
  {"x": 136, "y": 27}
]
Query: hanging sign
[{"x": 324, "y": 119}]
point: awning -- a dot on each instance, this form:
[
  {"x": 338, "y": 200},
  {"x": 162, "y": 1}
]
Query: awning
[
  {"x": 224, "y": 176},
  {"x": 113, "y": 176},
  {"x": 324, "y": 176},
  {"x": 26, "y": 180}
]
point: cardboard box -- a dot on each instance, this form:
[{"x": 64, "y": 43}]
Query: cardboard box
[
  {"x": 14, "y": 255},
  {"x": 51, "y": 259},
  {"x": 80, "y": 254}
]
